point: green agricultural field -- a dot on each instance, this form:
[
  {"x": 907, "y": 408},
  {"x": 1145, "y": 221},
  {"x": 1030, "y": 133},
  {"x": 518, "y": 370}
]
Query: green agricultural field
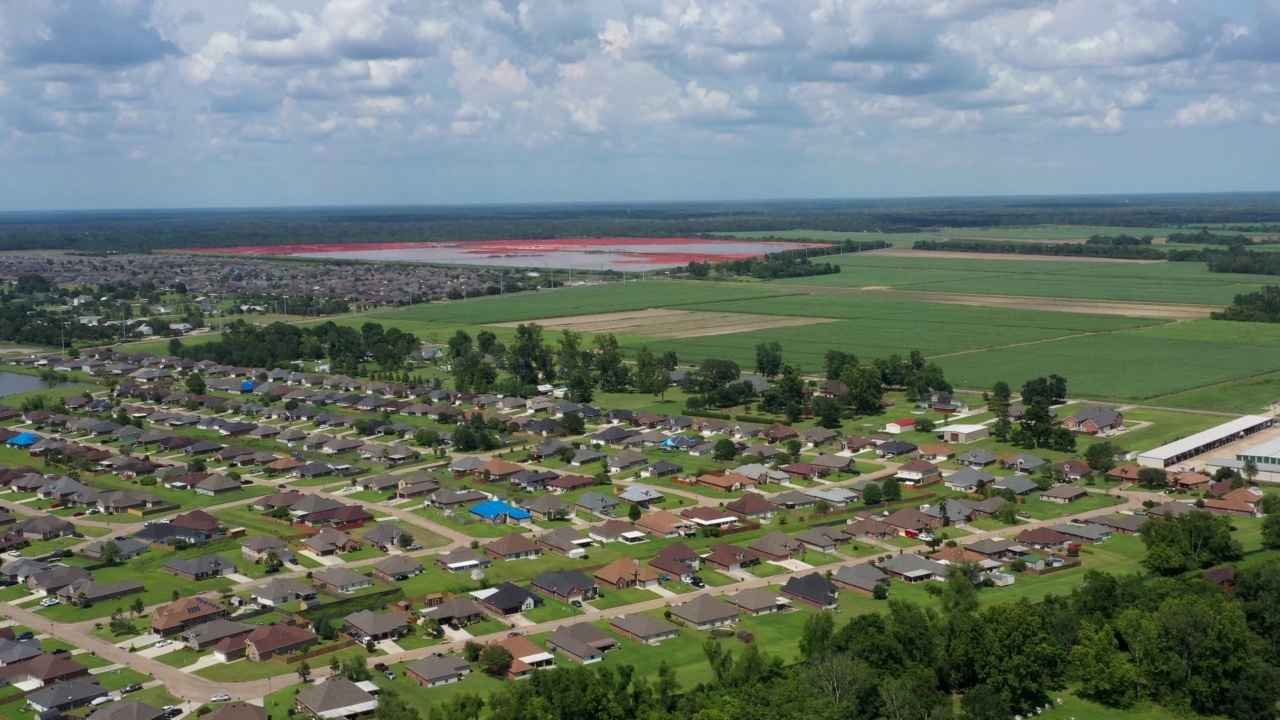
[
  {"x": 1190, "y": 283},
  {"x": 613, "y": 297},
  {"x": 1135, "y": 365}
]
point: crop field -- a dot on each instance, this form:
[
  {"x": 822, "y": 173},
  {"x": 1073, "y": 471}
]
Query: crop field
[
  {"x": 1136, "y": 365},
  {"x": 1150, "y": 282},
  {"x": 674, "y": 323},
  {"x": 614, "y": 297}
]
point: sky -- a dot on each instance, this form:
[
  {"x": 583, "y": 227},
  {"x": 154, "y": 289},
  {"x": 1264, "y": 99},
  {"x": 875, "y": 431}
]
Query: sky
[{"x": 228, "y": 103}]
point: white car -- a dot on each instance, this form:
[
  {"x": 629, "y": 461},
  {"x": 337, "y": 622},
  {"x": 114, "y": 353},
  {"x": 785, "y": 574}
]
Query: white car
[
  {"x": 49, "y": 602},
  {"x": 102, "y": 700},
  {"x": 14, "y": 553},
  {"x": 164, "y": 643},
  {"x": 220, "y": 697}
]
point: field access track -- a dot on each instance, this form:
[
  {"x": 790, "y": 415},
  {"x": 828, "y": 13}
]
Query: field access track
[{"x": 673, "y": 323}]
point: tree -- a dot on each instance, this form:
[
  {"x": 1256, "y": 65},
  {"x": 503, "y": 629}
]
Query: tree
[
  {"x": 1101, "y": 457},
  {"x": 866, "y": 388},
  {"x": 495, "y": 661},
  {"x": 724, "y": 450},
  {"x": 611, "y": 373},
  {"x": 272, "y": 560},
  {"x": 1105, "y": 674},
  {"x": 985, "y": 703},
  {"x": 816, "y": 638},
  {"x": 634, "y": 512},
  {"x": 924, "y": 425},
  {"x": 304, "y": 671},
  {"x": 891, "y": 489},
  {"x": 1152, "y": 478},
  {"x": 471, "y": 650},
  {"x": 195, "y": 384},
  {"x": 828, "y": 412},
  {"x": 110, "y": 553},
  {"x": 769, "y": 358},
  {"x": 138, "y": 607},
  {"x": 649, "y": 376},
  {"x": 572, "y": 424},
  {"x": 356, "y": 669},
  {"x": 1271, "y": 531},
  {"x": 81, "y": 600},
  {"x": 872, "y": 495},
  {"x": 1250, "y": 471},
  {"x": 335, "y": 665}
]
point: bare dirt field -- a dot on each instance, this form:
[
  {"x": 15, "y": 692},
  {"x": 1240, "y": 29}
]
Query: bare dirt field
[
  {"x": 672, "y": 323},
  {"x": 1087, "y": 307},
  {"x": 907, "y": 252}
]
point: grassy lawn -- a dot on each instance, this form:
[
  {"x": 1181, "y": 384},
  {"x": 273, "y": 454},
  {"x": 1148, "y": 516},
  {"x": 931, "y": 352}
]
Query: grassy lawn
[
  {"x": 475, "y": 530},
  {"x": 416, "y": 641},
  {"x": 618, "y": 598},
  {"x": 243, "y": 670},
  {"x": 767, "y": 569},
  {"x": 553, "y": 610},
  {"x": 1045, "y": 510},
  {"x": 116, "y": 679},
  {"x": 155, "y": 697},
  {"x": 181, "y": 657}
]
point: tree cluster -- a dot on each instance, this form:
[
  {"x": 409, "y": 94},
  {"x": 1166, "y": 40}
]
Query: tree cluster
[{"x": 278, "y": 344}]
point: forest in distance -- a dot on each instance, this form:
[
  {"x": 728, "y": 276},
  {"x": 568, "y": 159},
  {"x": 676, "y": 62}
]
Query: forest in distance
[{"x": 146, "y": 230}]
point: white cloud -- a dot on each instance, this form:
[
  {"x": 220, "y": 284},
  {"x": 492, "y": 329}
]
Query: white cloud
[{"x": 1213, "y": 111}]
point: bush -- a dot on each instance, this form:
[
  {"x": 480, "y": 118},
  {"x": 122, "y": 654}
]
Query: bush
[
  {"x": 759, "y": 420},
  {"x": 147, "y": 481}
]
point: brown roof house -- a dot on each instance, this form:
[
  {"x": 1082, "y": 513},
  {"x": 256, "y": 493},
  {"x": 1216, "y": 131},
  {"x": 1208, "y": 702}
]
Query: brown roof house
[
  {"x": 705, "y": 612},
  {"x": 644, "y": 628},
  {"x": 433, "y": 671},
  {"x": 336, "y": 698},
  {"x": 583, "y": 642},
  {"x": 626, "y": 572},
  {"x": 268, "y": 641},
  {"x": 184, "y": 613},
  {"x": 513, "y": 546}
]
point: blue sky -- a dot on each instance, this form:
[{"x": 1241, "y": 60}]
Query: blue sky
[{"x": 211, "y": 103}]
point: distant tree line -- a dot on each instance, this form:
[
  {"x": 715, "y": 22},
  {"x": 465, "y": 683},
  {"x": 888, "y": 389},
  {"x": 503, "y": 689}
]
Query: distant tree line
[
  {"x": 1127, "y": 252},
  {"x": 768, "y": 267},
  {"x": 1204, "y": 237},
  {"x": 146, "y": 230},
  {"x": 1119, "y": 240}
]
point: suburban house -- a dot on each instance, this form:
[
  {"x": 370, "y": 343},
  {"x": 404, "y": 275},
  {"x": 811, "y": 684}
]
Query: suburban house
[
  {"x": 458, "y": 611},
  {"x": 644, "y": 628},
  {"x": 813, "y": 590},
  {"x": 206, "y": 635},
  {"x": 777, "y": 545},
  {"x": 369, "y": 625},
  {"x": 665, "y": 524},
  {"x": 1064, "y": 494},
  {"x": 676, "y": 560},
  {"x": 257, "y": 549},
  {"x": 65, "y": 696},
  {"x": 752, "y": 507},
  {"x": 732, "y": 558},
  {"x": 913, "y": 568},
  {"x": 583, "y": 642},
  {"x": 626, "y": 572},
  {"x": 918, "y": 472},
  {"x": 513, "y": 546},
  {"x": 861, "y": 578},
  {"x": 201, "y": 568},
  {"x": 462, "y": 560},
  {"x": 705, "y": 612},
  {"x": 509, "y": 599},
  {"x": 967, "y": 479},
  {"x": 1093, "y": 419},
  {"x": 184, "y": 613},
  {"x": 526, "y": 657},
  {"x": 397, "y": 567},
  {"x": 757, "y": 601},
  {"x": 334, "y": 699},
  {"x": 434, "y": 671},
  {"x": 566, "y": 585},
  {"x": 281, "y": 591},
  {"x": 340, "y": 580},
  {"x": 268, "y": 641},
  {"x": 566, "y": 541},
  {"x": 897, "y": 427}
]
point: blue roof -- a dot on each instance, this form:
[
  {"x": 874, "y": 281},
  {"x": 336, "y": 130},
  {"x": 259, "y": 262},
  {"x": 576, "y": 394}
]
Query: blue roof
[
  {"x": 492, "y": 509},
  {"x": 246, "y": 385},
  {"x": 25, "y": 439}
]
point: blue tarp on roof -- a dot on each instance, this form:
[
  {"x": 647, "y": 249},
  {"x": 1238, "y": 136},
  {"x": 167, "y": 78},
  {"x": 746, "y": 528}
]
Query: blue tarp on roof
[
  {"x": 246, "y": 386},
  {"x": 494, "y": 509},
  {"x": 26, "y": 439}
]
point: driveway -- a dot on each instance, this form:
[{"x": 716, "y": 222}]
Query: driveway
[
  {"x": 153, "y": 651},
  {"x": 389, "y": 646},
  {"x": 661, "y": 591},
  {"x": 327, "y": 560},
  {"x": 456, "y": 635},
  {"x": 519, "y": 620},
  {"x": 792, "y": 564},
  {"x": 238, "y": 578}
]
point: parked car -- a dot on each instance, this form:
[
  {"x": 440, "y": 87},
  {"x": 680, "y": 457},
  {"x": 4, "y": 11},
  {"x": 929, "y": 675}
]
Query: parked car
[
  {"x": 49, "y": 602},
  {"x": 390, "y": 675},
  {"x": 102, "y": 700},
  {"x": 78, "y": 535},
  {"x": 576, "y": 603},
  {"x": 25, "y": 635},
  {"x": 14, "y": 553},
  {"x": 118, "y": 538},
  {"x": 164, "y": 643},
  {"x": 130, "y": 689},
  {"x": 380, "y": 667},
  {"x": 172, "y": 712},
  {"x": 220, "y": 697},
  {"x": 414, "y": 546},
  {"x": 79, "y": 514},
  {"x": 59, "y": 651}
]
